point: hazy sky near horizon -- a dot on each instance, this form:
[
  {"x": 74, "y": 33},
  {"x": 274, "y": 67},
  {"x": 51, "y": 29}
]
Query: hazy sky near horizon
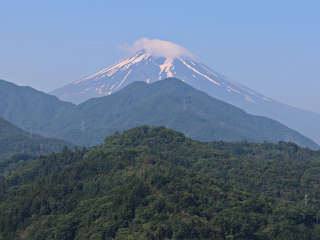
[{"x": 272, "y": 47}]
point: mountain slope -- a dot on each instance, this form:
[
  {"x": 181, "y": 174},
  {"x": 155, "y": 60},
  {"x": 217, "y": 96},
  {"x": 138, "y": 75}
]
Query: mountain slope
[
  {"x": 150, "y": 66},
  {"x": 176, "y": 105},
  {"x": 30, "y": 109},
  {"x": 283, "y": 170},
  {"x": 141, "y": 191},
  {"x": 14, "y": 140},
  {"x": 169, "y": 102}
]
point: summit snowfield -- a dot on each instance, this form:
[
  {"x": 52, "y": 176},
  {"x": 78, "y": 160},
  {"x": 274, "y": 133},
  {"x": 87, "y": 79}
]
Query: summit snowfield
[{"x": 154, "y": 60}]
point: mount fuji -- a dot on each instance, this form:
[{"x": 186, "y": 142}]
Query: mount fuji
[
  {"x": 152, "y": 65},
  {"x": 154, "y": 60}
]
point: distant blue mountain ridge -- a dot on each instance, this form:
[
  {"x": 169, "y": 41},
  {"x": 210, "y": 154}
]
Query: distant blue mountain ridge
[{"x": 170, "y": 102}]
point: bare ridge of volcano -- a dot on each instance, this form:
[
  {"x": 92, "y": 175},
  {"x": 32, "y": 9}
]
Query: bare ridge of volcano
[{"x": 154, "y": 60}]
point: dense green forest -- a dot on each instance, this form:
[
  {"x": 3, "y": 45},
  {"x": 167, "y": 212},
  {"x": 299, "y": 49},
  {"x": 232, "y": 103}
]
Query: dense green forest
[
  {"x": 155, "y": 183},
  {"x": 169, "y": 102},
  {"x": 251, "y": 165},
  {"x": 14, "y": 140}
]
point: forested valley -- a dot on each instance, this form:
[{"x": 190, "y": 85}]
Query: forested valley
[
  {"x": 155, "y": 183},
  {"x": 14, "y": 140}
]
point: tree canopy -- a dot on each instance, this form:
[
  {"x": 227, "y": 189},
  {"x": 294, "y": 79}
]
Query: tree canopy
[{"x": 155, "y": 183}]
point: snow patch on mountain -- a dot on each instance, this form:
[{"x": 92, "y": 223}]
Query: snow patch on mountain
[
  {"x": 166, "y": 67},
  {"x": 124, "y": 79},
  {"x": 122, "y": 65},
  {"x": 198, "y": 72}
]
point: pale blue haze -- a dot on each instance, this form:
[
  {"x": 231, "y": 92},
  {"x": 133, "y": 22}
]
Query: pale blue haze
[{"x": 271, "y": 47}]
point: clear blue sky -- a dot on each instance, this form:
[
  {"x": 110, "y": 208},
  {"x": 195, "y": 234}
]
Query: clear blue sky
[{"x": 272, "y": 47}]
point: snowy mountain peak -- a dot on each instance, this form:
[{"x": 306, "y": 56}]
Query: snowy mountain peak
[{"x": 155, "y": 60}]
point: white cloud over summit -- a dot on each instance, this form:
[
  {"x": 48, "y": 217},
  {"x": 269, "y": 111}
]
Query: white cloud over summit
[{"x": 160, "y": 48}]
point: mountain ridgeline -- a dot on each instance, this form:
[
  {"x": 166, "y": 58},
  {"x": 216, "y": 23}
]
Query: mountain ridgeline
[
  {"x": 149, "y": 67},
  {"x": 169, "y": 102},
  {"x": 155, "y": 183},
  {"x": 14, "y": 140}
]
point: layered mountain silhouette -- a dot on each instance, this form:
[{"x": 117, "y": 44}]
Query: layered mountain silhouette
[
  {"x": 169, "y": 102},
  {"x": 156, "y": 60},
  {"x": 143, "y": 66},
  {"x": 15, "y": 140}
]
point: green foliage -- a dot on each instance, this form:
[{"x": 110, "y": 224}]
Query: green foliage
[
  {"x": 15, "y": 162},
  {"x": 154, "y": 183},
  {"x": 267, "y": 150},
  {"x": 282, "y": 170}
]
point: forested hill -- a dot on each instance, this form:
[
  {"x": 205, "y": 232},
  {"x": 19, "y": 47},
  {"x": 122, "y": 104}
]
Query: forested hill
[
  {"x": 169, "y": 102},
  {"x": 282, "y": 170},
  {"x": 154, "y": 183},
  {"x": 14, "y": 140}
]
